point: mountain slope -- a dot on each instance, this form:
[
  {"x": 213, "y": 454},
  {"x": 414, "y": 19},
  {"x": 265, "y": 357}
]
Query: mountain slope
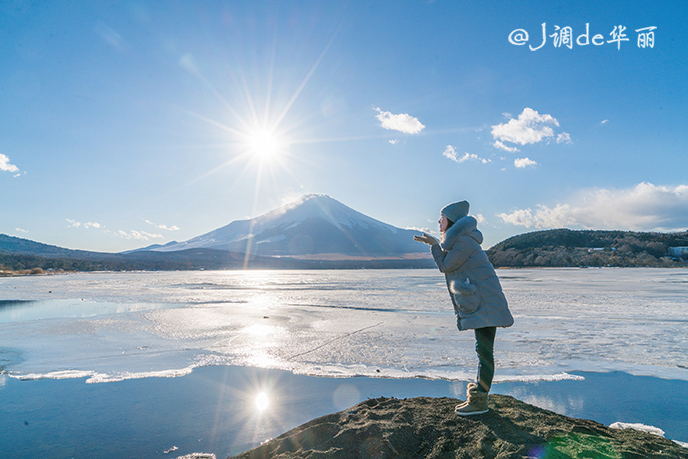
[
  {"x": 17, "y": 245},
  {"x": 315, "y": 226}
]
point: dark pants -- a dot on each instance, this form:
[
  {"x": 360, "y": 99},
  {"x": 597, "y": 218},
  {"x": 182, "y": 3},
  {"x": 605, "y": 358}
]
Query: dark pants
[{"x": 484, "y": 346}]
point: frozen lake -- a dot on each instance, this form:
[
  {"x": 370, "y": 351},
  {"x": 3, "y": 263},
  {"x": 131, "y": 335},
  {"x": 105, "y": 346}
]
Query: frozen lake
[{"x": 395, "y": 323}]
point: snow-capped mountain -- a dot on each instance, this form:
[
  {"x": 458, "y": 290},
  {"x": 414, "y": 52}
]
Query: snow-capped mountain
[{"x": 314, "y": 226}]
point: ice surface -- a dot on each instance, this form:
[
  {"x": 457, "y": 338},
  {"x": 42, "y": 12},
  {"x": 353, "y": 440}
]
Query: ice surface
[{"x": 396, "y": 323}]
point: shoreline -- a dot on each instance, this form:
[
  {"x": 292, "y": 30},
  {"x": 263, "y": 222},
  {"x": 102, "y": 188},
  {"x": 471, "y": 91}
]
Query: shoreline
[
  {"x": 222, "y": 399},
  {"x": 96, "y": 377},
  {"x": 28, "y": 273}
]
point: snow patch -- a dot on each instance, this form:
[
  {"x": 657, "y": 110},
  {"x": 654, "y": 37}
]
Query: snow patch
[
  {"x": 637, "y": 426},
  {"x": 96, "y": 377}
]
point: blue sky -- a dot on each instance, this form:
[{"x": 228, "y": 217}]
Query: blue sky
[{"x": 129, "y": 123}]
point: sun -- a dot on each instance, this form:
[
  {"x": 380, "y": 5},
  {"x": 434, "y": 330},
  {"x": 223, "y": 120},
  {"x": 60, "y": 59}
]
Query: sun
[
  {"x": 261, "y": 401},
  {"x": 264, "y": 144}
]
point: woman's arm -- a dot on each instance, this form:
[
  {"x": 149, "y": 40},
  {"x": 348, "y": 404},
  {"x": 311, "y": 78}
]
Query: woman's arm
[{"x": 448, "y": 261}]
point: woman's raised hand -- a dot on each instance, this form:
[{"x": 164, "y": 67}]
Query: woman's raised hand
[{"x": 430, "y": 240}]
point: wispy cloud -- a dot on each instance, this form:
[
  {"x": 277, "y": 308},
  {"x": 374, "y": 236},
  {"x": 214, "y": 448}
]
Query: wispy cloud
[
  {"x": 450, "y": 152},
  {"x": 393, "y": 141},
  {"x": 162, "y": 227},
  {"x": 86, "y": 225},
  {"x": 130, "y": 234},
  {"x": 604, "y": 121},
  {"x": 473, "y": 156},
  {"x": 6, "y": 165},
  {"x": 188, "y": 63},
  {"x": 643, "y": 207},
  {"x": 563, "y": 137},
  {"x": 138, "y": 235},
  {"x": 21, "y": 230},
  {"x": 109, "y": 36},
  {"x": 521, "y": 163},
  {"x": 402, "y": 122},
  {"x": 528, "y": 128},
  {"x": 502, "y": 146}
]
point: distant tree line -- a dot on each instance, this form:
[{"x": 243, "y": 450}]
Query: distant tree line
[
  {"x": 18, "y": 262},
  {"x": 564, "y": 247},
  {"x": 550, "y": 248},
  {"x": 192, "y": 259}
]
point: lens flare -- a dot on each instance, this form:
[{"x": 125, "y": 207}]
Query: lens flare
[{"x": 262, "y": 401}]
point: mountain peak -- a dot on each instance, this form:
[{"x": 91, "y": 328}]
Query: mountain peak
[
  {"x": 319, "y": 203},
  {"x": 310, "y": 197},
  {"x": 316, "y": 196},
  {"x": 312, "y": 224}
]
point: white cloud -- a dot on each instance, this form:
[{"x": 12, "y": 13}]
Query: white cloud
[
  {"x": 467, "y": 156},
  {"x": 138, "y": 235},
  {"x": 480, "y": 218},
  {"x": 644, "y": 207},
  {"x": 6, "y": 166},
  {"x": 393, "y": 141},
  {"x": 450, "y": 152},
  {"x": 524, "y": 162},
  {"x": 162, "y": 227},
  {"x": 402, "y": 122},
  {"x": 86, "y": 225},
  {"x": 528, "y": 128},
  {"x": 564, "y": 137},
  {"x": 132, "y": 234},
  {"x": 21, "y": 230},
  {"x": 604, "y": 121},
  {"x": 502, "y": 146}
]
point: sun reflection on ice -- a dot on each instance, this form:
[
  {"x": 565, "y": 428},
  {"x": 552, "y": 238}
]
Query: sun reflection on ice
[{"x": 260, "y": 330}]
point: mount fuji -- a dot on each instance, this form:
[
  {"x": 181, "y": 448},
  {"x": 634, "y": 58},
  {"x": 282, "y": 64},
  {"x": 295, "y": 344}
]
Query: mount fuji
[{"x": 316, "y": 227}]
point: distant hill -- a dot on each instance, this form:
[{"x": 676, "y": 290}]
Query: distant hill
[
  {"x": 565, "y": 247},
  {"x": 11, "y": 244},
  {"x": 24, "y": 254},
  {"x": 550, "y": 248}
]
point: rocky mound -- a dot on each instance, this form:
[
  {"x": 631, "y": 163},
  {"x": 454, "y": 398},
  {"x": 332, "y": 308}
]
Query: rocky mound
[{"x": 427, "y": 427}]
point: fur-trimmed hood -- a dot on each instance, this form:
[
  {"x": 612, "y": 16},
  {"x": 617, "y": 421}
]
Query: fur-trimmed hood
[{"x": 464, "y": 226}]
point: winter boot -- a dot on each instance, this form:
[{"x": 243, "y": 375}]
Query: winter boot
[
  {"x": 471, "y": 387},
  {"x": 477, "y": 404}
]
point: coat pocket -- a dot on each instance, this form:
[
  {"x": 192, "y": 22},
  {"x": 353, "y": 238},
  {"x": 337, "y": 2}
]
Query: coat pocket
[{"x": 466, "y": 295}]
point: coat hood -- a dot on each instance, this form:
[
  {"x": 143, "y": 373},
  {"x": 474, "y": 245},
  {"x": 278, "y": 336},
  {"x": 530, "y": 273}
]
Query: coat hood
[{"x": 464, "y": 226}]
